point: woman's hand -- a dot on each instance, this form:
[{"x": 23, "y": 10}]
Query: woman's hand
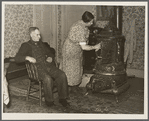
[
  {"x": 97, "y": 47},
  {"x": 30, "y": 59},
  {"x": 49, "y": 59}
]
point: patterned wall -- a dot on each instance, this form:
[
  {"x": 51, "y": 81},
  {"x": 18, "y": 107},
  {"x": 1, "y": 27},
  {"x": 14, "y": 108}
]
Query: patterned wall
[
  {"x": 94, "y": 11},
  {"x": 138, "y": 13},
  {"x": 59, "y": 43},
  {"x": 18, "y": 18}
]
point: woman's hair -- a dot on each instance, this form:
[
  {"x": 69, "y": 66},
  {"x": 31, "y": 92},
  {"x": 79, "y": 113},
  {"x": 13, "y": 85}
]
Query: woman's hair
[
  {"x": 87, "y": 16},
  {"x": 31, "y": 29}
]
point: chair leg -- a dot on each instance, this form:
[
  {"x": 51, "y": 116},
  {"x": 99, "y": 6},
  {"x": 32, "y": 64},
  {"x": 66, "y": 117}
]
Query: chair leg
[
  {"x": 40, "y": 93},
  {"x": 28, "y": 90}
]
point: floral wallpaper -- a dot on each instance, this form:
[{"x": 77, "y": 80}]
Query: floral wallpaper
[
  {"x": 137, "y": 13},
  {"x": 59, "y": 45},
  {"x": 94, "y": 9},
  {"x": 18, "y": 18}
]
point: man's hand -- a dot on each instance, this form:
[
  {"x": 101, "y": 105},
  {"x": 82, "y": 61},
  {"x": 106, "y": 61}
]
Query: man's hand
[
  {"x": 97, "y": 47},
  {"x": 49, "y": 59},
  {"x": 30, "y": 59}
]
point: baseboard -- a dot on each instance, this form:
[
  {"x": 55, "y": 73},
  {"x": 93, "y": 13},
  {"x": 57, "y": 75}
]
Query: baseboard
[{"x": 137, "y": 73}]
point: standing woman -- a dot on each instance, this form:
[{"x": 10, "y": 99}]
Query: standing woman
[{"x": 73, "y": 48}]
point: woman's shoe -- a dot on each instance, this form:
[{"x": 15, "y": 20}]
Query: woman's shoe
[
  {"x": 64, "y": 102},
  {"x": 49, "y": 104}
]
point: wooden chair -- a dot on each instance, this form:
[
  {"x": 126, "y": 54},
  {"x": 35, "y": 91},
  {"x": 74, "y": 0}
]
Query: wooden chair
[{"x": 35, "y": 84}]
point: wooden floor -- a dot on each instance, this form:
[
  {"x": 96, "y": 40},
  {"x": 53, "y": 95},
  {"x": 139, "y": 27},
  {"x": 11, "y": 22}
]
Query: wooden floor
[{"x": 130, "y": 102}]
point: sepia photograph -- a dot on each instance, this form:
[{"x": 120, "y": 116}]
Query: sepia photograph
[{"x": 74, "y": 60}]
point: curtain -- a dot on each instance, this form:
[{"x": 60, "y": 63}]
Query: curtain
[
  {"x": 68, "y": 14},
  {"x": 45, "y": 17},
  {"x": 54, "y": 22}
]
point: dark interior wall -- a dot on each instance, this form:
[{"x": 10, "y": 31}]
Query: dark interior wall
[
  {"x": 18, "y": 18},
  {"x": 137, "y": 13}
]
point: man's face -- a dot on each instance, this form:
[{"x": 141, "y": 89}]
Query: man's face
[{"x": 35, "y": 35}]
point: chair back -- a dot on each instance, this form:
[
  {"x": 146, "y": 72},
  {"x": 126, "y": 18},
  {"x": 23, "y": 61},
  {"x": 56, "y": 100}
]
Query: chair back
[{"x": 32, "y": 71}]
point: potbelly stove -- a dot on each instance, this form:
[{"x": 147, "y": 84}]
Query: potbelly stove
[{"x": 109, "y": 72}]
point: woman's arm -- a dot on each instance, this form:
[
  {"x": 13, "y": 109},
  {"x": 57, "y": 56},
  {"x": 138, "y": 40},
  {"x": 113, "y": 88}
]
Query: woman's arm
[{"x": 84, "y": 46}]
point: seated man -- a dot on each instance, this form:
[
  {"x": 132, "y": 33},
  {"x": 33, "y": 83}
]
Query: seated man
[
  {"x": 52, "y": 50},
  {"x": 35, "y": 51}
]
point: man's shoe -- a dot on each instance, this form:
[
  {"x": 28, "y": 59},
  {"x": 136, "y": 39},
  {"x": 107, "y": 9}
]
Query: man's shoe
[
  {"x": 49, "y": 104},
  {"x": 64, "y": 102}
]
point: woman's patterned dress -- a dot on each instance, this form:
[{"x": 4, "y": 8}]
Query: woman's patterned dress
[{"x": 72, "y": 53}]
